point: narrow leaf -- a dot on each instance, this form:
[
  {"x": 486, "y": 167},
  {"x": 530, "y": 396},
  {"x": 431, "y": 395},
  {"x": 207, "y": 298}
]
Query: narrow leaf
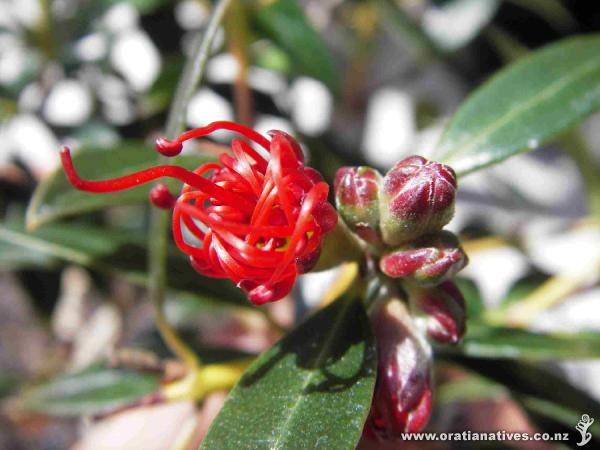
[
  {"x": 13, "y": 257},
  {"x": 116, "y": 252},
  {"x": 492, "y": 342},
  {"x": 284, "y": 21},
  {"x": 526, "y": 104},
  {"x": 313, "y": 389},
  {"x": 91, "y": 391}
]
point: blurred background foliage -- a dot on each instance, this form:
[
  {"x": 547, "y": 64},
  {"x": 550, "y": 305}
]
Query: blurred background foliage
[{"x": 357, "y": 82}]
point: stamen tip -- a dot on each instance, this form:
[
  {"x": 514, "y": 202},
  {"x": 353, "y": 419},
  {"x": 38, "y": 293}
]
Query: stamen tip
[
  {"x": 161, "y": 197},
  {"x": 167, "y": 147},
  {"x": 258, "y": 295}
]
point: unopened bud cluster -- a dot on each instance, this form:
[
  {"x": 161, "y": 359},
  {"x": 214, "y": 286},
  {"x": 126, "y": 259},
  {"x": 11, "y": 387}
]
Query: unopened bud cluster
[{"x": 400, "y": 216}]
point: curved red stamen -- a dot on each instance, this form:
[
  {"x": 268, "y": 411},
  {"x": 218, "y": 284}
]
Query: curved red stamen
[
  {"x": 225, "y": 125},
  {"x": 151, "y": 174}
]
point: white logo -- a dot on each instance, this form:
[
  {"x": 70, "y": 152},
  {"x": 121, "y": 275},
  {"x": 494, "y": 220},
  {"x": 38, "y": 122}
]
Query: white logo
[{"x": 584, "y": 423}]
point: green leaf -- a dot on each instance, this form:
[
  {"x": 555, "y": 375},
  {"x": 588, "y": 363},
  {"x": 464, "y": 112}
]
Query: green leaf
[
  {"x": 76, "y": 243},
  {"x": 13, "y": 257},
  {"x": 404, "y": 30},
  {"x": 312, "y": 389},
  {"x": 523, "y": 287},
  {"x": 472, "y": 296},
  {"x": 55, "y": 198},
  {"x": 118, "y": 252},
  {"x": 526, "y": 104},
  {"x": 284, "y": 21},
  {"x": 91, "y": 391},
  {"x": 271, "y": 57},
  {"x": 494, "y": 342}
]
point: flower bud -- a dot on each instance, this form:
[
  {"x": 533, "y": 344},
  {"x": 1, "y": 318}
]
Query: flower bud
[
  {"x": 428, "y": 261},
  {"x": 417, "y": 198},
  {"x": 443, "y": 310},
  {"x": 357, "y": 199},
  {"x": 402, "y": 397}
]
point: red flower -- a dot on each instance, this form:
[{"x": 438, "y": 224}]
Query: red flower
[{"x": 256, "y": 220}]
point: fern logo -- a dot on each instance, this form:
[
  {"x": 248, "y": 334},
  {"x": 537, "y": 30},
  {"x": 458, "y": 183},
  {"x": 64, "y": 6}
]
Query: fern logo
[{"x": 584, "y": 423}]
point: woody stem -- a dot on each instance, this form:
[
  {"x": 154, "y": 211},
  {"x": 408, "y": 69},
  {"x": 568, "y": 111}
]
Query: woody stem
[{"x": 190, "y": 79}]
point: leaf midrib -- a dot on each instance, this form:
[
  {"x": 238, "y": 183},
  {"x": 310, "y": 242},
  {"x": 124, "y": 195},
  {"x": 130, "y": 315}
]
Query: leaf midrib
[
  {"x": 43, "y": 246},
  {"x": 548, "y": 92},
  {"x": 320, "y": 357}
]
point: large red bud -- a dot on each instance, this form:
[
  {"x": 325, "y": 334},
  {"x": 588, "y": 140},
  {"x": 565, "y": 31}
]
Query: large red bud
[
  {"x": 428, "y": 261},
  {"x": 417, "y": 198}
]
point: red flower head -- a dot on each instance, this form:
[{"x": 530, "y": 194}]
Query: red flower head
[{"x": 257, "y": 220}]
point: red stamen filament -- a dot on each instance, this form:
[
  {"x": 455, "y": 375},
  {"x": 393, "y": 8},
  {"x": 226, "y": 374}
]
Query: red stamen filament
[{"x": 151, "y": 174}]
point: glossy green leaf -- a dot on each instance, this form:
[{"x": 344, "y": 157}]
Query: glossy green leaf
[
  {"x": 313, "y": 389},
  {"x": 284, "y": 21},
  {"x": 55, "y": 198},
  {"x": 493, "y": 342},
  {"x": 117, "y": 252},
  {"x": 526, "y": 104},
  {"x": 91, "y": 391}
]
